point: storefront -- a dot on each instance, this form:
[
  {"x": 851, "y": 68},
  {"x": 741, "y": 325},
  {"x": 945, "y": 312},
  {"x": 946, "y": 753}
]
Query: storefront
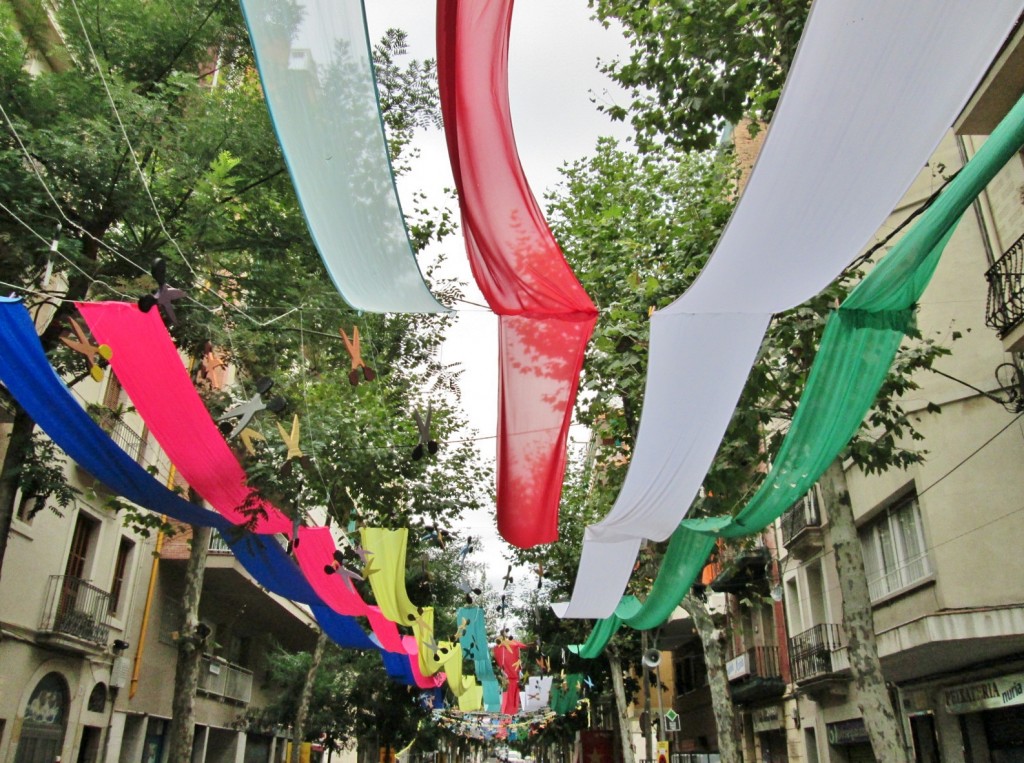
[
  {"x": 991, "y": 713},
  {"x": 849, "y": 741},
  {"x": 769, "y": 726}
]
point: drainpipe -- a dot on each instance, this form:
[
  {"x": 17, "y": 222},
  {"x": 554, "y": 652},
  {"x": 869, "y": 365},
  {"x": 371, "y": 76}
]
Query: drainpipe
[{"x": 147, "y": 609}]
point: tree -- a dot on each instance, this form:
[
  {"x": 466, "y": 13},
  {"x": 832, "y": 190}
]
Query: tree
[
  {"x": 698, "y": 65},
  {"x": 650, "y": 222},
  {"x": 128, "y": 145}
]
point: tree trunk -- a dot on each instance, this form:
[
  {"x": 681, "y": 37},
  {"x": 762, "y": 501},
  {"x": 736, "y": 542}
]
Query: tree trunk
[
  {"x": 191, "y": 642},
  {"x": 870, "y": 692},
  {"x": 299, "y": 729},
  {"x": 10, "y": 474},
  {"x": 712, "y": 638},
  {"x": 619, "y": 689}
]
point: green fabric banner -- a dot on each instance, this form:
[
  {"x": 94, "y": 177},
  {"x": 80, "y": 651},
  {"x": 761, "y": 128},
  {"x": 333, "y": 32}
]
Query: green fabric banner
[
  {"x": 857, "y": 348},
  {"x": 565, "y": 693}
]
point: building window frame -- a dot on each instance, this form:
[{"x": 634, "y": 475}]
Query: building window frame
[
  {"x": 118, "y": 583},
  {"x": 896, "y": 555}
]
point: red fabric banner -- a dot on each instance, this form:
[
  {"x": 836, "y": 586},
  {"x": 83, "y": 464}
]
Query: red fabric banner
[{"x": 545, "y": 316}]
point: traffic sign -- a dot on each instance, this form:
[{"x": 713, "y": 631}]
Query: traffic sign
[{"x": 671, "y": 721}]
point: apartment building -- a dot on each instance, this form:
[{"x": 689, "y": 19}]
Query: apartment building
[{"x": 90, "y": 609}]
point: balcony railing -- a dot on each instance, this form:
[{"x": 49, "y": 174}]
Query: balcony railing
[
  {"x": 756, "y": 662},
  {"x": 1005, "y": 309},
  {"x": 220, "y": 678},
  {"x": 76, "y": 608},
  {"x": 130, "y": 441},
  {"x": 218, "y": 545},
  {"x": 810, "y": 653},
  {"x": 747, "y": 568},
  {"x": 801, "y": 515},
  {"x": 896, "y": 579}
]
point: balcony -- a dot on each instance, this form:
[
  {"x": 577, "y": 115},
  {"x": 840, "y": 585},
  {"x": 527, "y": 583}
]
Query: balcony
[
  {"x": 755, "y": 675},
  {"x": 220, "y": 678},
  {"x": 75, "y": 615},
  {"x": 746, "y": 570},
  {"x": 1005, "y": 309},
  {"x": 801, "y": 527},
  {"x": 812, "y": 654}
]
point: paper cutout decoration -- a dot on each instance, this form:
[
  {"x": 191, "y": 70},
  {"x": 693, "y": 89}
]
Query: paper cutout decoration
[
  {"x": 91, "y": 352},
  {"x": 291, "y": 440},
  {"x": 245, "y": 411},
  {"x": 212, "y": 369},
  {"x": 165, "y": 296},
  {"x": 356, "y": 354},
  {"x": 545, "y": 317},
  {"x": 427, "y": 443}
]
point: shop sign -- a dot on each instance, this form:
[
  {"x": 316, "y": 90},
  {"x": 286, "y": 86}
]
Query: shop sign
[
  {"x": 847, "y": 732},
  {"x": 737, "y": 668},
  {"x": 768, "y": 719},
  {"x": 990, "y": 694}
]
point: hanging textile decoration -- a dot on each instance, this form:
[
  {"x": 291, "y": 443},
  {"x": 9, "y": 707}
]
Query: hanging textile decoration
[
  {"x": 387, "y": 549},
  {"x": 537, "y": 694},
  {"x": 860, "y": 340},
  {"x": 507, "y": 656},
  {"x": 830, "y": 172},
  {"x": 149, "y": 368},
  {"x": 565, "y": 693},
  {"x": 473, "y": 638},
  {"x": 29, "y": 377},
  {"x": 545, "y": 317},
  {"x": 315, "y": 67},
  {"x": 426, "y": 444}
]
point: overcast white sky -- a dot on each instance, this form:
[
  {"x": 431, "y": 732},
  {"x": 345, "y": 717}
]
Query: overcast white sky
[{"x": 553, "y": 55}]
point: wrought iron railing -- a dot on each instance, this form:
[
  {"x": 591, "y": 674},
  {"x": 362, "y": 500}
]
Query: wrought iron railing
[
  {"x": 1005, "y": 308},
  {"x": 801, "y": 515},
  {"x": 130, "y": 441},
  {"x": 76, "y": 608},
  {"x": 758, "y": 661},
  {"x": 223, "y": 679},
  {"x": 218, "y": 545},
  {"x": 810, "y": 653}
]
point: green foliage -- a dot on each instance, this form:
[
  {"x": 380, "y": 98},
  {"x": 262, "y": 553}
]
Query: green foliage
[
  {"x": 42, "y": 479},
  {"x": 696, "y": 65}
]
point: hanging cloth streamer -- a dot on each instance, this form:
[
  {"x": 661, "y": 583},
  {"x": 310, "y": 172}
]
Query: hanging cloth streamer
[
  {"x": 873, "y": 88},
  {"x": 152, "y": 374},
  {"x": 545, "y": 317},
  {"x": 860, "y": 340},
  {"x": 29, "y": 377},
  {"x": 317, "y": 73},
  {"x": 473, "y": 639}
]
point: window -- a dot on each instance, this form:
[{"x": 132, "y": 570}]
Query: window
[
  {"x": 81, "y": 547},
  {"x": 124, "y": 553},
  {"x": 894, "y": 550},
  {"x": 691, "y": 672}
]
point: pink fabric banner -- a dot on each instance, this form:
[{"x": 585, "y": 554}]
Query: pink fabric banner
[
  {"x": 152, "y": 374},
  {"x": 315, "y": 551},
  {"x": 545, "y": 316}
]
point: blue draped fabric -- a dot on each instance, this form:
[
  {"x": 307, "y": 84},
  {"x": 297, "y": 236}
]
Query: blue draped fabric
[{"x": 29, "y": 377}]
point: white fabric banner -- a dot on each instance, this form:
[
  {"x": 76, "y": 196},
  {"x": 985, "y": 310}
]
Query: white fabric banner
[
  {"x": 873, "y": 89},
  {"x": 537, "y": 694},
  {"x": 314, "y": 63}
]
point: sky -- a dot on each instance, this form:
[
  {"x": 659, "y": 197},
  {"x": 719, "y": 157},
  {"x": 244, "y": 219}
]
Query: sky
[{"x": 553, "y": 53}]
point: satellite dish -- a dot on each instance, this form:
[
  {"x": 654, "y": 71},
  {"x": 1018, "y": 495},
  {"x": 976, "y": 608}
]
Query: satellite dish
[{"x": 651, "y": 658}]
